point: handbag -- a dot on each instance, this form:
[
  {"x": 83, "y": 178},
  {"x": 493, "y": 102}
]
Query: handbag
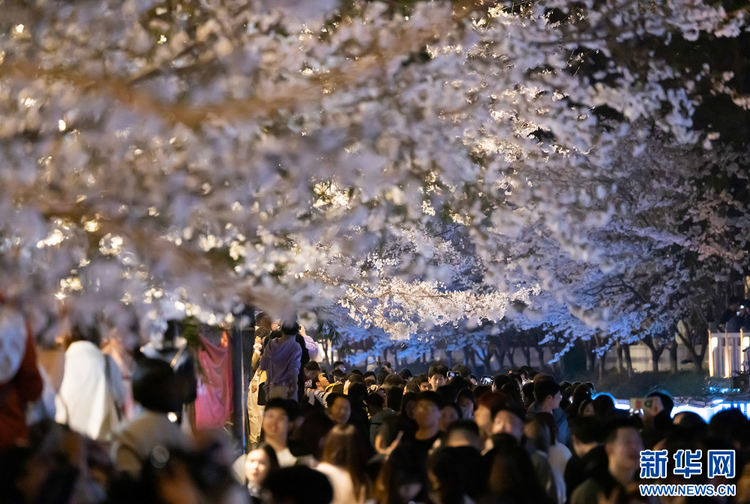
[{"x": 262, "y": 394}]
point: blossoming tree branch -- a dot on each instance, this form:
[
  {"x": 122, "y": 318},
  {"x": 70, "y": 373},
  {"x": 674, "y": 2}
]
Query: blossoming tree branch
[{"x": 401, "y": 168}]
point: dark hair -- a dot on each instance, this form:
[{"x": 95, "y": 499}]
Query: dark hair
[
  {"x": 432, "y": 397},
  {"x": 615, "y": 426},
  {"x": 405, "y": 374},
  {"x": 666, "y": 401},
  {"x": 441, "y": 369},
  {"x": 549, "y": 420},
  {"x": 462, "y": 370},
  {"x": 460, "y": 472},
  {"x": 538, "y": 432},
  {"x": 512, "y": 476},
  {"x": 455, "y": 408},
  {"x": 299, "y": 485},
  {"x": 337, "y": 373},
  {"x": 465, "y": 393},
  {"x": 315, "y": 427},
  {"x": 545, "y": 388},
  {"x": 464, "y": 426},
  {"x": 338, "y": 363},
  {"x": 355, "y": 378},
  {"x": 583, "y": 405},
  {"x": 368, "y": 374},
  {"x": 586, "y": 430},
  {"x": 492, "y": 400},
  {"x": 375, "y": 400},
  {"x": 279, "y": 403},
  {"x": 402, "y": 467},
  {"x": 312, "y": 366},
  {"x": 290, "y": 328},
  {"x": 88, "y": 333},
  {"x": 155, "y": 385},
  {"x": 406, "y": 399},
  {"x": 730, "y": 424},
  {"x": 345, "y": 448},
  {"x": 420, "y": 379},
  {"x": 518, "y": 412},
  {"x": 331, "y": 399},
  {"x": 357, "y": 393},
  {"x": 273, "y": 460},
  {"x": 359, "y": 373},
  {"x": 603, "y": 405},
  {"x": 393, "y": 398},
  {"x": 449, "y": 393},
  {"x": 393, "y": 380}
]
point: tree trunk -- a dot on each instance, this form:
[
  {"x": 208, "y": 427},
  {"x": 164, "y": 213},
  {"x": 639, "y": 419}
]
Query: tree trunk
[
  {"x": 620, "y": 365},
  {"x": 540, "y": 355},
  {"x": 602, "y": 365},
  {"x": 673, "y": 357},
  {"x": 628, "y": 360}
]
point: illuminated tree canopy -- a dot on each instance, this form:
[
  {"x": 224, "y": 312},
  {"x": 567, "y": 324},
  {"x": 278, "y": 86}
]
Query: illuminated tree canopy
[{"x": 397, "y": 166}]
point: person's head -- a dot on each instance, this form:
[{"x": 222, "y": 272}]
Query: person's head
[
  {"x": 405, "y": 374},
  {"x": 449, "y": 413},
  {"x": 408, "y": 403},
  {"x": 357, "y": 393},
  {"x": 259, "y": 463},
  {"x": 547, "y": 394},
  {"x": 508, "y": 421},
  {"x": 623, "y": 445},
  {"x": 465, "y": 401},
  {"x": 462, "y": 433},
  {"x": 659, "y": 401},
  {"x": 320, "y": 382},
  {"x": 423, "y": 383},
  {"x": 339, "y": 408},
  {"x": 549, "y": 420},
  {"x": 462, "y": 370},
  {"x": 586, "y": 408},
  {"x": 732, "y": 425},
  {"x": 345, "y": 448},
  {"x": 427, "y": 410},
  {"x": 155, "y": 385},
  {"x": 297, "y": 485},
  {"x": 393, "y": 397},
  {"x": 290, "y": 328},
  {"x": 312, "y": 369},
  {"x": 692, "y": 423},
  {"x": 437, "y": 375},
  {"x": 456, "y": 472},
  {"x": 604, "y": 406},
  {"x": 512, "y": 477},
  {"x": 351, "y": 379},
  {"x": 375, "y": 404},
  {"x": 340, "y": 366},
  {"x": 311, "y": 434},
  {"x": 585, "y": 433},
  {"x": 393, "y": 380},
  {"x": 483, "y": 413},
  {"x": 338, "y": 375},
  {"x": 402, "y": 478},
  {"x": 81, "y": 332},
  {"x": 538, "y": 432},
  {"x": 276, "y": 417}
]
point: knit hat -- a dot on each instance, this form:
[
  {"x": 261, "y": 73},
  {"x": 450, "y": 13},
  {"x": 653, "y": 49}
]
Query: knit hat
[{"x": 12, "y": 342}]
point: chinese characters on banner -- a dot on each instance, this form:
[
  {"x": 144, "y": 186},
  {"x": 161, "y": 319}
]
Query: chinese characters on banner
[{"x": 687, "y": 463}]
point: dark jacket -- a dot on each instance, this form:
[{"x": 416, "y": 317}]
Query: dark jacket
[{"x": 15, "y": 395}]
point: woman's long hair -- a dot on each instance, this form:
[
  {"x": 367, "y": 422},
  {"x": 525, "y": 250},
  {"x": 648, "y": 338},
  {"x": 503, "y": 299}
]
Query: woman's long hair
[
  {"x": 402, "y": 467},
  {"x": 346, "y": 449}
]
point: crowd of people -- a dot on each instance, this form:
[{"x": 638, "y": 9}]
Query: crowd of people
[{"x": 340, "y": 435}]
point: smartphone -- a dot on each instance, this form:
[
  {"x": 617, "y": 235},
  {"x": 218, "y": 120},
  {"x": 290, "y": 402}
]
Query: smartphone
[{"x": 486, "y": 380}]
